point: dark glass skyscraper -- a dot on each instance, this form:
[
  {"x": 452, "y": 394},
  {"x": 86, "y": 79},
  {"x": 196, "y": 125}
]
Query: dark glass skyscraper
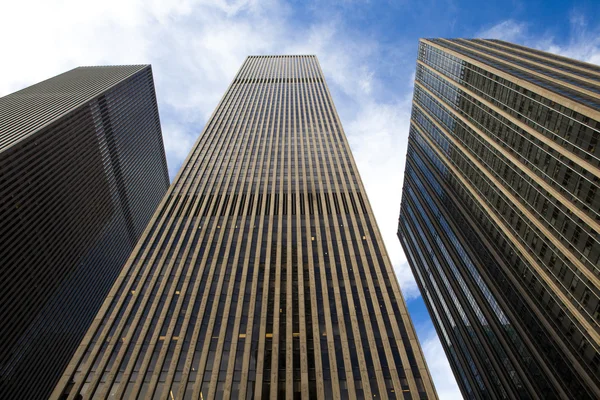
[
  {"x": 262, "y": 273},
  {"x": 501, "y": 213},
  {"x": 82, "y": 170}
]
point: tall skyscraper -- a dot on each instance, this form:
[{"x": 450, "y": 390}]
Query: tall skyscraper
[
  {"x": 82, "y": 170},
  {"x": 262, "y": 273},
  {"x": 501, "y": 212}
]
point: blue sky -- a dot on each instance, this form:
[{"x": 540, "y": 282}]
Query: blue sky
[{"x": 367, "y": 50}]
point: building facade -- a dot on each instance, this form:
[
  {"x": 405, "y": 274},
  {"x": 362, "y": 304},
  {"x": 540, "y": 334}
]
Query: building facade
[
  {"x": 82, "y": 170},
  {"x": 262, "y": 273},
  {"x": 501, "y": 212}
]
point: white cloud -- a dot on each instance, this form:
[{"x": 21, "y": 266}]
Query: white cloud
[
  {"x": 439, "y": 367},
  {"x": 583, "y": 42},
  {"x": 178, "y": 146},
  {"x": 508, "y": 30},
  {"x": 378, "y": 137}
]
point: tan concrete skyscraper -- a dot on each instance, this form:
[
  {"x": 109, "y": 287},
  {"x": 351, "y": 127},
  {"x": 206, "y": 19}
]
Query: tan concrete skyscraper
[{"x": 263, "y": 273}]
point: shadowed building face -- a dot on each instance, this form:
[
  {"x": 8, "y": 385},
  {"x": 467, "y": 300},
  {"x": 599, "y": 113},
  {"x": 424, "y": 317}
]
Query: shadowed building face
[
  {"x": 82, "y": 169},
  {"x": 500, "y": 215},
  {"x": 263, "y": 273}
]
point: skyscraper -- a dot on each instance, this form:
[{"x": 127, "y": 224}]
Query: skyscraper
[
  {"x": 500, "y": 215},
  {"x": 82, "y": 170},
  {"x": 262, "y": 273}
]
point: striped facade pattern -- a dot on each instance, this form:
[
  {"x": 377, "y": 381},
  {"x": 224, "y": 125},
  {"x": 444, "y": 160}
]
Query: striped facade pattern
[
  {"x": 500, "y": 216},
  {"x": 82, "y": 170},
  {"x": 263, "y": 273}
]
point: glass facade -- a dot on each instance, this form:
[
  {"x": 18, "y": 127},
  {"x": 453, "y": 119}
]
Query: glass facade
[
  {"x": 500, "y": 217},
  {"x": 82, "y": 169},
  {"x": 263, "y": 273}
]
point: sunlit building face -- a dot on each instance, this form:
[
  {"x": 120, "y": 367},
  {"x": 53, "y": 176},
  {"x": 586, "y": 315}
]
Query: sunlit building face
[{"x": 263, "y": 273}]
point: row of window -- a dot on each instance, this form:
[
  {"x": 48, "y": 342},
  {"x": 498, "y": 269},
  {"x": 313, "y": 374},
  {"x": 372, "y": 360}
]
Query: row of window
[{"x": 575, "y": 336}]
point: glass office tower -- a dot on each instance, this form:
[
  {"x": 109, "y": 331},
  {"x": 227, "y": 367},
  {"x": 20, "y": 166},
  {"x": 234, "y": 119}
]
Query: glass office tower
[
  {"x": 500, "y": 215},
  {"x": 262, "y": 273},
  {"x": 82, "y": 170}
]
